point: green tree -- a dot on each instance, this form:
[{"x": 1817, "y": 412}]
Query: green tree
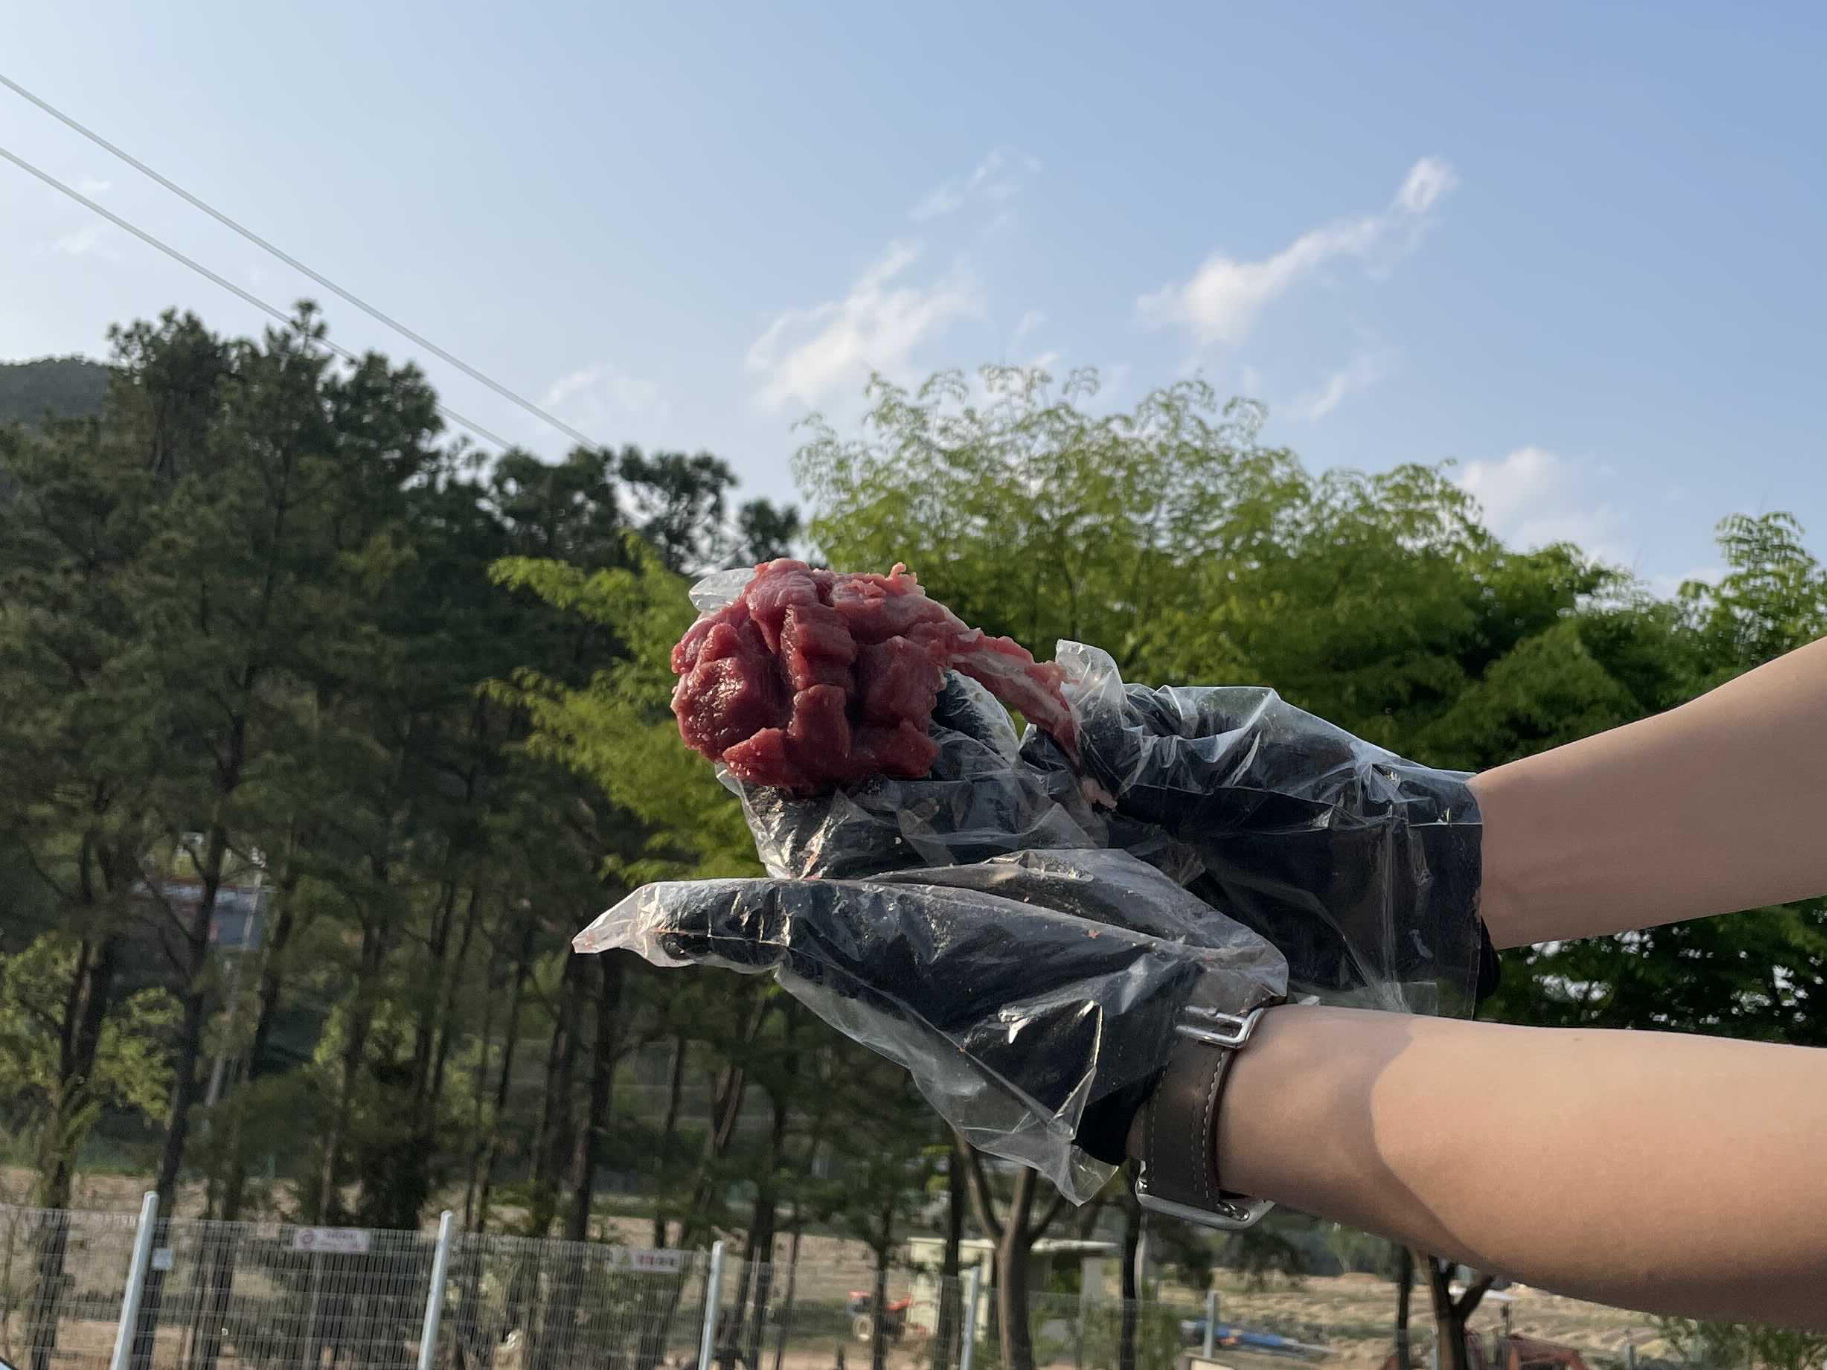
[
  {"x": 1760, "y": 973},
  {"x": 881, "y": 1183},
  {"x": 57, "y": 387},
  {"x": 1739, "y": 1344}
]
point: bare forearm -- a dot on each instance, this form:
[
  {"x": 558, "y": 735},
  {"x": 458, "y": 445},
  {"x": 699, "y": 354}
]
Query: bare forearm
[
  {"x": 1712, "y": 807},
  {"x": 1680, "y": 1175}
]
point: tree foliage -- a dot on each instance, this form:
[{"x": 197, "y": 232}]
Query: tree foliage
[{"x": 54, "y": 387}]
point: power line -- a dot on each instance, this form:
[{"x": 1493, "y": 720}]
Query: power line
[
  {"x": 293, "y": 262},
  {"x": 223, "y": 281}
]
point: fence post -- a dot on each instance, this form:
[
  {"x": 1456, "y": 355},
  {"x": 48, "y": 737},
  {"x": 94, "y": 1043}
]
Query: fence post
[
  {"x": 1211, "y": 1321},
  {"x": 136, "y": 1281},
  {"x": 434, "y": 1297},
  {"x": 713, "y": 1305},
  {"x": 969, "y": 1345}
]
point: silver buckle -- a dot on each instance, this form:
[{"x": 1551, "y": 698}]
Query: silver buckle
[
  {"x": 1231, "y": 1216},
  {"x": 1230, "y": 1031},
  {"x": 1239, "y": 1025}
]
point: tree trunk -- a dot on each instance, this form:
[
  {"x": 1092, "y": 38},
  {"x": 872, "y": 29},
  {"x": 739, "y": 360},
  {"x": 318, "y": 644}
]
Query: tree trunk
[
  {"x": 603, "y": 1053},
  {"x": 1450, "y": 1314},
  {"x": 190, "y": 1029},
  {"x": 490, "y": 1151},
  {"x": 1405, "y": 1286},
  {"x": 695, "y": 1224},
  {"x": 675, "y": 1091},
  {"x": 431, "y": 997},
  {"x": 945, "y": 1334},
  {"x": 52, "y": 1239},
  {"x": 786, "y": 1311},
  {"x": 185, "y": 1084},
  {"x": 568, "y": 1283},
  {"x": 478, "y": 1097},
  {"x": 447, "y": 1011},
  {"x": 1131, "y": 1277},
  {"x": 552, "y": 1146},
  {"x": 1449, "y": 1335},
  {"x": 272, "y": 983},
  {"x": 1012, "y": 1275},
  {"x": 878, "y": 1329},
  {"x": 85, "y": 1010},
  {"x": 758, "y": 1250},
  {"x": 219, "y": 1258},
  {"x": 349, "y": 1064}
]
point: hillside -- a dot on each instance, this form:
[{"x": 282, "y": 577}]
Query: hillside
[{"x": 66, "y": 387}]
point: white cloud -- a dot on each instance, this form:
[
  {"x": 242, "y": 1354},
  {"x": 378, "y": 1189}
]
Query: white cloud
[
  {"x": 945, "y": 199},
  {"x": 93, "y": 186},
  {"x": 1030, "y": 321},
  {"x": 1249, "y": 383},
  {"x": 999, "y": 176},
  {"x": 1427, "y": 184},
  {"x": 603, "y": 394},
  {"x": 1534, "y": 497},
  {"x": 82, "y": 241},
  {"x": 806, "y": 355},
  {"x": 1225, "y": 296},
  {"x": 1356, "y": 376}
]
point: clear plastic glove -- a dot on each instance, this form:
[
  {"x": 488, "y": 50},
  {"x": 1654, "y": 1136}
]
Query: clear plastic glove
[
  {"x": 1362, "y": 867},
  {"x": 1032, "y": 997}
]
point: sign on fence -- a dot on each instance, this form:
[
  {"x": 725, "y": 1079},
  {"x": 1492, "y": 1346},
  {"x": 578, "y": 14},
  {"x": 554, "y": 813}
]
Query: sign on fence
[
  {"x": 646, "y": 1259},
  {"x": 335, "y": 1241}
]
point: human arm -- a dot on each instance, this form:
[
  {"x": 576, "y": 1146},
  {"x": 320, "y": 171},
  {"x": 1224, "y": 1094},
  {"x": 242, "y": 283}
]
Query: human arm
[
  {"x": 1671, "y": 1174},
  {"x": 1715, "y": 806}
]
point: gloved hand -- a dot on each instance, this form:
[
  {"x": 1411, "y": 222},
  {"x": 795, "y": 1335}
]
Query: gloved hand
[
  {"x": 1033, "y": 997},
  {"x": 981, "y": 799},
  {"x": 1363, "y": 868}
]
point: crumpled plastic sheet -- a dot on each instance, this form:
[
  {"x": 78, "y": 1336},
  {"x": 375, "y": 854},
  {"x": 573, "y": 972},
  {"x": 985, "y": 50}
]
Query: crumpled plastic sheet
[{"x": 1356, "y": 866}]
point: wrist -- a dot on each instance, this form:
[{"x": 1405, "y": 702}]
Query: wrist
[
  {"x": 1306, "y": 1073},
  {"x": 1179, "y": 1175}
]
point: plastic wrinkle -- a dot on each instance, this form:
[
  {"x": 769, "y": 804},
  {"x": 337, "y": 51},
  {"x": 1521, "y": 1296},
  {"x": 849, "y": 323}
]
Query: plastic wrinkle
[
  {"x": 1018, "y": 991},
  {"x": 1361, "y": 866}
]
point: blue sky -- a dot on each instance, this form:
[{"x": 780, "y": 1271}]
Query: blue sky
[{"x": 1576, "y": 248}]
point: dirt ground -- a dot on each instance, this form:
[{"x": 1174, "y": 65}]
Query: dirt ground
[{"x": 1354, "y": 1313}]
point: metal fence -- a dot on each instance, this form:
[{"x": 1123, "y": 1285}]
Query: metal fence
[
  {"x": 110, "y": 1290},
  {"x": 83, "y": 1291}
]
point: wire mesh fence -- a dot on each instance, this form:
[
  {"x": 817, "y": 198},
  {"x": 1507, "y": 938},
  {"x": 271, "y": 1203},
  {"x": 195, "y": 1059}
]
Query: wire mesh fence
[{"x": 267, "y": 1296}]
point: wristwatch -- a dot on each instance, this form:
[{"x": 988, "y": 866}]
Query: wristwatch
[{"x": 1179, "y": 1170}]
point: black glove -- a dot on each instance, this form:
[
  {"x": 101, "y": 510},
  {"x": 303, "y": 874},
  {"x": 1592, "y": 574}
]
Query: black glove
[{"x": 1032, "y": 997}]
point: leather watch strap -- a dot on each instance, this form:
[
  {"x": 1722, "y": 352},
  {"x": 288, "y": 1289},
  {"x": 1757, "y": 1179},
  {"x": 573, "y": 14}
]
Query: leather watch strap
[{"x": 1179, "y": 1175}]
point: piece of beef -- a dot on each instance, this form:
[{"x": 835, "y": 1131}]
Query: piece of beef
[{"x": 811, "y": 678}]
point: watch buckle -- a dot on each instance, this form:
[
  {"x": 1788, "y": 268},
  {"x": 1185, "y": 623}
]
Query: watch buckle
[
  {"x": 1230, "y": 1030},
  {"x": 1232, "y": 1215}
]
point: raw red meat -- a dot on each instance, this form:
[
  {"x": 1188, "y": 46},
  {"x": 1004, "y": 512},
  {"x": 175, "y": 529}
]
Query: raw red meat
[{"x": 811, "y": 678}]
